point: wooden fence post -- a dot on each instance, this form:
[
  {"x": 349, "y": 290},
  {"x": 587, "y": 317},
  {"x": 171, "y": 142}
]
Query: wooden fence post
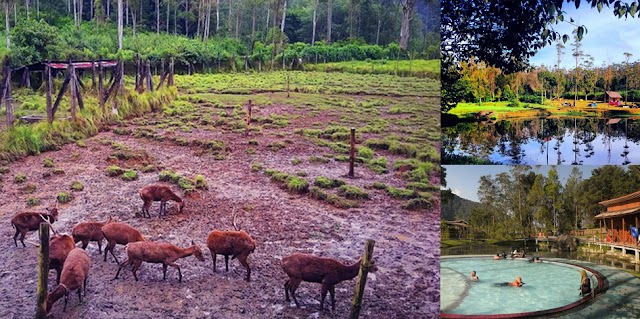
[
  {"x": 352, "y": 152},
  {"x": 74, "y": 89},
  {"x": 288, "y": 80},
  {"x": 365, "y": 265},
  {"x": 246, "y": 132},
  {"x": 8, "y": 99},
  {"x": 43, "y": 272},
  {"x": 149, "y": 77},
  {"x": 47, "y": 77},
  {"x": 101, "y": 85}
]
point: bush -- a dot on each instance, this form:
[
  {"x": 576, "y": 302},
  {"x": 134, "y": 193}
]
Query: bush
[
  {"x": 352, "y": 192},
  {"x": 77, "y": 186},
  {"x": 130, "y": 175},
  {"x": 63, "y": 197}
]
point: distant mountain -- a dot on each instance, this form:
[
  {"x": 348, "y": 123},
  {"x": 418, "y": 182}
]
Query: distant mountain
[{"x": 454, "y": 207}]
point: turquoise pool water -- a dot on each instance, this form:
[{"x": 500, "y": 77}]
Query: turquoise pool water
[{"x": 547, "y": 285}]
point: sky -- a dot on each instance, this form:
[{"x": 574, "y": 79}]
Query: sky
[
  {"x": 463, "y": 179},
  {"x": 606, "y": 40}
]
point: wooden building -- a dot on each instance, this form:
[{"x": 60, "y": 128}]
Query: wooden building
[
  {"x": 615, "y": 224},
  {"x": 614, "y": 98},
  {"x": 457, "y": 228}
]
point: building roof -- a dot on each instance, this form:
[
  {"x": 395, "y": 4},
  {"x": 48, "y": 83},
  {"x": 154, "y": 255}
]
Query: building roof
[
  {"x": 459, "y": 223},
  {"x": 617, "y": 213},
  {"x": 613, "y": 94},
  {"x": 62, "y": 65},
  {"x": 620, "y": 199}
]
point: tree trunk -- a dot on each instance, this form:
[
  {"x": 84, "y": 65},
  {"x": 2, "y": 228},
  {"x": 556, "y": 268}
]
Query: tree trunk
[
  {"x": 237, "y": 22},
  {"x": 284, "y": 15},
  {"x": 133, "y": 22},
  {"x": 119, "y": 24},
  {"x": 168, "y": 16},
  {"x": 207, "y": 28},
  {"x": 75, "y": 13},
  {"x": 314, "y": 22},
  {"x": 329, "y": 19},
  {"x": 217, "y": 16},
  {"x": 6, "y": 23},
  {"x": 198, "y": 28},
  {"x": 26, "y": 6},
  {"x": 108, "y": 8},
  {"x": 253, "y": 26},
  {"x": 158, "y": 16},
  {"x": 407, "y": 10},
  {"x": 186, "y": 21},
  {"x": 229, "y": 20}
]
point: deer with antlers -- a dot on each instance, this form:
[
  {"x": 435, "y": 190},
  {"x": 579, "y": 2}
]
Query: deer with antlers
[{"x": 235, "y": 243}]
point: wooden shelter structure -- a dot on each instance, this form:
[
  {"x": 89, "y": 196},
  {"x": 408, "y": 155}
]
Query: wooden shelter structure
[
  {"x": 457, "y": 228},
  {"x": 614, "y": 98},
  {"x": 615, "y": 223}
]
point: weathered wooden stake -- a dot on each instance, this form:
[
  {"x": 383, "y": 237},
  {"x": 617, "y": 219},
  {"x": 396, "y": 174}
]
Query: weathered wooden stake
[
  {"x": 352, "y": 152},
  {"x": 137, "y": 73},
  {"x": 8, "y": 99},
  {"x": 79, "y": 94},
  {"x": 288, "y": 92},
  {"x": 47, "y": 79},
  {"x": 73, "y": 90},
  {"x": 63, "y": 89},
  {"x": 101, "y": 85},
  {"x": 149, "y": 77},
  {"x": 170, "y": 80},
  {"x": 93, "y": 73},
  {"x": 365, "y": 265},
  {"x": 246, "y": 131},
  {"x": 43, "y": 272}
]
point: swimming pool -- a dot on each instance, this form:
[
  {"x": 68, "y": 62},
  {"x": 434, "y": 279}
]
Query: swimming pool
[{"x": 548, "y": 285}]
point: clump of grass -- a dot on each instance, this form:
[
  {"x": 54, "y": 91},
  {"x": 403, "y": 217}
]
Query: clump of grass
[
  {"x": 418, "y": 203},
  {"x": 148, "y": 168},
  {"x": 122, "y": 131},
  {"x": 256, "y": 167},
  {"x": 130, "y": 175},
  {"x": 340, "y": 202},
  {"x": 402, "y": 193},
  {"x": 114, "y": 170},
  {"x": 341, "y": 158},
  {"x": 251, "y": 151},
  {"x": 200, "y": 182},
  {"x": 185, "y": 184},
  {"x": 326, "y": 182},
  {"x": 297, "y": 185},
  {"x": 20, "y": 178},
  {"x": 398, "y": 148},
  {"x": 365, "y": 152},
  {"x": 4, "y": 170},
  {"x": 379, "y": 185},
  {"x": 64, "y": 197},
  {"x": 301, "y": 173},
  {"x": 352, "y": 192},
  {"x": 296, "y": 161},
  {"x": 377, "y": 143},
  {"x": 47, "y": 162},
  {"x": 169, "y": 176},
  {"x": 317, "y": 193},
  {"x": 57, "y": 171},
  {"x": 318, "y": 159},
  {"x": 77, "y": 186},
  {"x": 421, "y": 186},
  {"x": 253, "y": 142},
  {"x": 276, "y": 146},
  {"x": 279, "y": 177},
  {"x": 378, "y": 165},
  {"x": 33, "y": 201},
  {"x": 81, "y": 143},
  {"x": 29, "y": 188}
]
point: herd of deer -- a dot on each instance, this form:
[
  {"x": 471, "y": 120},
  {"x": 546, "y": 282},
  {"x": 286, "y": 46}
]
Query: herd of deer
[{"x": 72, "y": 264}]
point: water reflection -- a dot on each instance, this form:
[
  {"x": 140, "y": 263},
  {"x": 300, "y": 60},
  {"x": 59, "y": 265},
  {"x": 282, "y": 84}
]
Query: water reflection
[
  {"x": 600, "y": 259},
  {"x": 548, "y": 141}
]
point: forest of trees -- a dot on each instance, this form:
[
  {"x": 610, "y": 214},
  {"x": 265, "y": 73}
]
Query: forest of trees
[
  {"x": 522, "y": 203},
  {"x": 481, "y": 83},
  {"x": 207, "y": 32}
]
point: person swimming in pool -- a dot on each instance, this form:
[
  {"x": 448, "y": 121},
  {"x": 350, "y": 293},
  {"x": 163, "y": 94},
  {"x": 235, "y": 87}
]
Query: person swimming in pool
[
  {"x": 497, "y": 256},
  {"x": 474, "y": 277},
  {"x": 516, "y": 283}
]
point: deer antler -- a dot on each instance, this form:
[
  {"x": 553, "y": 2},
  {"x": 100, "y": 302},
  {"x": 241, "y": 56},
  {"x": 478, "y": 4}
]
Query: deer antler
[
  {"x": 235, "y": 218},
  {"x": 50, "y": 226}
]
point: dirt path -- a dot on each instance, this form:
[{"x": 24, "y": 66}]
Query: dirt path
[{"x": 407, "y": 243}]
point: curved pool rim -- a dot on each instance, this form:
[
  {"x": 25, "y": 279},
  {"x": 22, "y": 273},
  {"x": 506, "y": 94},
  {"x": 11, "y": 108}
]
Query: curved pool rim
[{"x": 601, "y": 288}]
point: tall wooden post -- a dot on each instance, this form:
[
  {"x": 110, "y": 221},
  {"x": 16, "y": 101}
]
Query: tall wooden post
[
  {"x": 8, "y": 99},
  {"x": 352, "y": 152},
  {"x": 365, "y": 265},
  {"x": 288, "y": 92},
  {"x": 47, "y": 79},
  {"x": 101, "y": 85},
  {"x": 93, "y": 73},
  {"x": 43, "y": 272},
  {"x": 149, "y": 78},
  {"x": 246, "y": 131},
  {"x": 170, "y": 80},
  {"x": 73, "y": 90}
]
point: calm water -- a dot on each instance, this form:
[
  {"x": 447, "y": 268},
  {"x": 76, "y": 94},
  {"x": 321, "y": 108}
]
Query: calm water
[
  {"x": 550, "y": 141},
  {"x": 547, "y": 286}
]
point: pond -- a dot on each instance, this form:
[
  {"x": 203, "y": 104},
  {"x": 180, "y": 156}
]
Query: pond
[{"x": 545, "y": 141}]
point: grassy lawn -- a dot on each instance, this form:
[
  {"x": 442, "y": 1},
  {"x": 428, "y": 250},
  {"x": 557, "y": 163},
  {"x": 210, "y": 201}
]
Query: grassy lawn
[{"x": 417, "y": 68}]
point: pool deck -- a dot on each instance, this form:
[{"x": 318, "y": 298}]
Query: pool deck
[{"x": 621, "y": 300}]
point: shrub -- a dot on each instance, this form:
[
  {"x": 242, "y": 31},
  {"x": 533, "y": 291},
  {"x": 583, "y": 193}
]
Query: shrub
[
  {"x": 63, "y": 197},
  {"x": 48, "y": 162},
  {"x": 114, "y": 170},
  {"x": 352, "y": 192},
  {"x": 297, "y": 185},
  {"x": 130, "y": 175},
  {"x": 325, "y": 182},
  {"x": 77, "y": 186},
  {"x": 20, "y": 178}
]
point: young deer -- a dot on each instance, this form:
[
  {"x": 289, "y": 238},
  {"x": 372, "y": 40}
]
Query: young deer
[
  {"x": 59, "y": 248},
  {"x": 89, "y": 231},
  {"x": 29, "y": 221},
  {"x": 74, "y": 277},
  {"x": 154, "y": 193},
  {"x": 158, "y": 253},
  {"x": 327, "y": 271},
  {"x": 119, "y": 233},
  {"x": 237, "y": 244}
]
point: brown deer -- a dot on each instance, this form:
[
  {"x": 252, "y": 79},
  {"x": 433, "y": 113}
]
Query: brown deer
[
  {"x": 25, "y": 222},
  {"x": 74, "y": 277},
  {"x": 89, "y": 231},
  {"x": 327, "y": 271},
  {"x": 59, "y": 248},
  {"x": 237, "y": 244},
  {"x": 119, "y": 233},
  {"x": 154, "y": 193},
  {"x": 158, "y": 253}
]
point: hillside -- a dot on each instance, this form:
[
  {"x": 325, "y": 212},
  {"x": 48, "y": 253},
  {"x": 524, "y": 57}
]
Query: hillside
[{"x": 455, "y": 207}]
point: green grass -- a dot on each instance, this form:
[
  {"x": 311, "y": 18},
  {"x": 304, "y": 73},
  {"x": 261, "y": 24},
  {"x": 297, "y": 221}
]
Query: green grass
[
  {"x": 20, "y": 178},
  {"x": 378, "y": 165},
  {"x": 33, "y": 201},
  {"x": 200, "y": 183},
  {"x": 365, "y": 152},
  {"x": 326, "y": 182},
  {"x": 297, "y": 185},
  {"x": 114, "y": 170},
  {"x": 352, "y": 192},
  {"x": 47, "y": 162},
  {"x": 77, "y": 186},
  {"x": 64, "y": 197},
  {"x": 466, "y": 109},
  {"x": 417, "y": 68},
  {"x": 129, "y": 175},
  {"x": 169, "y": 176}
]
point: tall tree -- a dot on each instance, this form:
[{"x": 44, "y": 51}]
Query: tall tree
[
  {"x": 577, "y": 53},
  {"x": 313, "y": 22},
  {"x": 7, "y": 22},
  {"x": 407, "y": 11},
  {"x": 329, "y": 19},
  {"x": 627, "y": 56},
  {"x": 553, "y": 191},
  {"x": 120, "y": 27}
]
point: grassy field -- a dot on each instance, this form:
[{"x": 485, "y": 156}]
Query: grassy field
[{"x": 414, "y": 68}]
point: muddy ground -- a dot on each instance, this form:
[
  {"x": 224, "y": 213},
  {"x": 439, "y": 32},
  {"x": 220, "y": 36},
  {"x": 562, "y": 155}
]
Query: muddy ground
[{"x": 406, "y": 251}]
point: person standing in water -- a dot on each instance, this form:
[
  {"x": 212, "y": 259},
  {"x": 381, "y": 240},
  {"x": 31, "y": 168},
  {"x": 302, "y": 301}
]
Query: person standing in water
[
  {"x": 585, "y": 283},
  {"x": 474, "y": 277}
]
